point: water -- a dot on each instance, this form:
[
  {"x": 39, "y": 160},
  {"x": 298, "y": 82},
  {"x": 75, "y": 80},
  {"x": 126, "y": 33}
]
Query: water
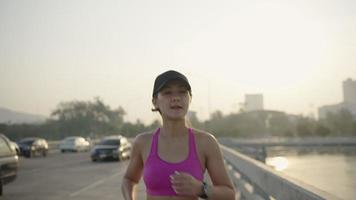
[{"x": 331, "y": 170}]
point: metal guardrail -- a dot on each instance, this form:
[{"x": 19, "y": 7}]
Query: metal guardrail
[
  {"x": 254, "y": 180},
  {"x": 302, "y": 142}
]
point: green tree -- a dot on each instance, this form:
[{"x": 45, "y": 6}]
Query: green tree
[
  {"x": 322, "y": 130},
  {"x": 194, "y": 121},
  {"x": 340, "y": 123},
  {"x": 132, "y": 129},
  {"x": 86, "y": 117},
  {"x": 305, "y": 127},
  {"x": 280, "y": 125}
]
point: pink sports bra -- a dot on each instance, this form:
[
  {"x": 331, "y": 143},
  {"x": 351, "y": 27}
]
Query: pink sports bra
[{"x": 156, "y": 172}]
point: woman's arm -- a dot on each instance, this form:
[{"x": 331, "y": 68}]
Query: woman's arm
[
  {"x": 128, "y": 189},
  {"x": 133, "y": 171},
  {"x": 222, "y": 188}
]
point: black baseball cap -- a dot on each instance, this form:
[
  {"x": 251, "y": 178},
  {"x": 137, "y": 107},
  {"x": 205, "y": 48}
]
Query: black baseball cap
[{"x": 167, "y": 76}]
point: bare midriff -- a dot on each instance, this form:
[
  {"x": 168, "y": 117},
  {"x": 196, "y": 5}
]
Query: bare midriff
[{"x": 170, "y": 198}]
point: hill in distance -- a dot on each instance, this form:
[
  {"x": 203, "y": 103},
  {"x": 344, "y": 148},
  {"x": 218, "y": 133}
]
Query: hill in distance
[{"x": 8, "y": 116}]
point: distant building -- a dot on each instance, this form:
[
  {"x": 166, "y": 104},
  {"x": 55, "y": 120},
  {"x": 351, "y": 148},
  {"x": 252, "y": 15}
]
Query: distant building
[
  {"x": 348, "y": 103},
  {"x": 253, "y": 102},
  {"x": 336, "y": 108},
  {"x": 349, "y": 87}
]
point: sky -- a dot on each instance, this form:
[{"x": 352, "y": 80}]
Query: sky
[{"x": 294, "y": 52}]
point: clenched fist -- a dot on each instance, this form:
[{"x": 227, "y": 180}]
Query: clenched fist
[{"x": 185, "y": 184}]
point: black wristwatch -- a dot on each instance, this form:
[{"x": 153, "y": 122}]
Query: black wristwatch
[{"x": 204, "y": 189}]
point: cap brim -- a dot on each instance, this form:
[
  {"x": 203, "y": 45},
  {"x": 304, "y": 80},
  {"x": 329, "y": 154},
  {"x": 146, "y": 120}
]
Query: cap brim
[{"x": 160, "y": 87}]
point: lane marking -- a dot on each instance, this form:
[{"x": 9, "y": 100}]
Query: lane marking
[{"x": 93, "y": 185}]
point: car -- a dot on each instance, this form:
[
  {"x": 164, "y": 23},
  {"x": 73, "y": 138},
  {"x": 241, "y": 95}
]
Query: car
[
  {"x": 33, "y": 146},
  {"x": 15, "y": 147},
  {"x": 74, "y": 144},
  {"x": 115, "y": 147},
  {"x": 9, "y": 162}
]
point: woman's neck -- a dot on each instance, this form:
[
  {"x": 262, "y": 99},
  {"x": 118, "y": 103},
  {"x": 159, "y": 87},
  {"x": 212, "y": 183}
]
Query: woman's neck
[{"x": 174, "y": 128}]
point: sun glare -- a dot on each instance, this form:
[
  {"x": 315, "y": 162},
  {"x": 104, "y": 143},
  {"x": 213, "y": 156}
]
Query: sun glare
[{"x": 278, "y": 163}]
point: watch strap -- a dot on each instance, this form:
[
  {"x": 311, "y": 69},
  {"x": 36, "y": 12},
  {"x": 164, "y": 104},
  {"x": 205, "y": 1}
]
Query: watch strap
[{"x": 204, "y": 194}]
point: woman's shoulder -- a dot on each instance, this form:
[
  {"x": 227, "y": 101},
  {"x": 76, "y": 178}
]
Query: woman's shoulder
[
  {"x": 144, "y": 138},
  {"x": 204, "y": 137},
  {"x": 206, "y": 143}
]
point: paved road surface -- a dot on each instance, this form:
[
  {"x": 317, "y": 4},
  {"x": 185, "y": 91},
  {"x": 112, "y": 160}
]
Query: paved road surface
[{"x": 69, "y": 176}]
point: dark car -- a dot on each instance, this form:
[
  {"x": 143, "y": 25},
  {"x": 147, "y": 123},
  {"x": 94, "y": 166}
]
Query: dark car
[
  {"x": 9, "y": 162},
  {"x": 111, "y": 148},
  {"x": 30, "y": 147}
]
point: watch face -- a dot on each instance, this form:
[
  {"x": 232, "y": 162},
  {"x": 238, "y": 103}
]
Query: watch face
[
  {"x": 204, "y": 196},
  {"x": 205, "y": 191}
]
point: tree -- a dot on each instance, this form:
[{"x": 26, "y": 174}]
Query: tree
[
  {"x": 305, "y": 126},
  {"x": 341, "y": 123},
  {"x": 86, "y": 117},
  {"x": 280, "y": 125},
  {"x": 131, "y": 130},
  {"x": 322, "y": 130},
  {"x": 194, "y": 121}
]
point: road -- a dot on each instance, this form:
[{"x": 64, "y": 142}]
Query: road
[{"x": 70, "y": 176}]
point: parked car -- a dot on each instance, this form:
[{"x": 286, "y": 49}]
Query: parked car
[
  {"x": 30, "y": 147},
  {"x": 111, "y": 148},
  {"x": 15, "y": 147},
  {"x": 74, "y": 144},
  {"x": 9, "y": 162}
]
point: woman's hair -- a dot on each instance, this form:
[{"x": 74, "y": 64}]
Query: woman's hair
[{"x": 155, "y": 110}]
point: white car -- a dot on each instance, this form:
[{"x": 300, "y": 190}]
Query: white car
[{"x": 74, "y": 144}]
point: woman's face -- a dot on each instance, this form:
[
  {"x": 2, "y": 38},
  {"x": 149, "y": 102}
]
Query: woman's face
[{"x": 173, "y": 100}]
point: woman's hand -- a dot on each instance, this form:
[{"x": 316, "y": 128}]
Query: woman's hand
[{"x": 185, "y": 184}]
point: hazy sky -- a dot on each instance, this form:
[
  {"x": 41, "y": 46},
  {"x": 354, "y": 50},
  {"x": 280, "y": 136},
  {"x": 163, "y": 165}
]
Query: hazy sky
[{"x": 296, "y": 53}]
